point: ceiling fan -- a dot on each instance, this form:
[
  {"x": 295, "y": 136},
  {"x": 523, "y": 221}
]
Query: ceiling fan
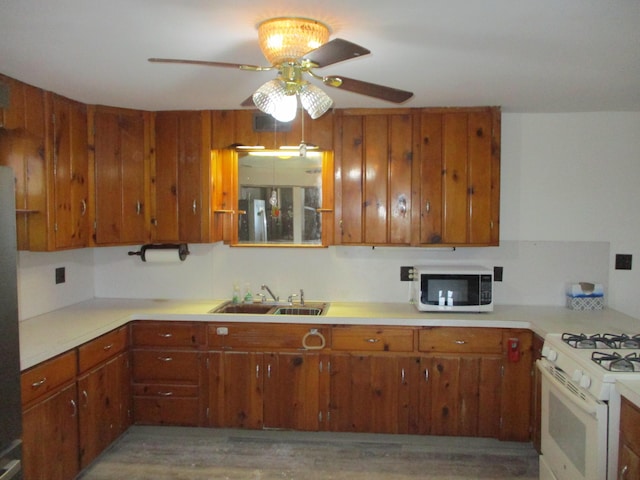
[{"x": 295, "y": 47}]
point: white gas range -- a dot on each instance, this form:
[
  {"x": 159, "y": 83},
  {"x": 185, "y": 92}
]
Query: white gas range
[{"x": 580, "y": 407}]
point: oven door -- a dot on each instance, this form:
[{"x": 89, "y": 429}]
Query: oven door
[{"x": 574, "y": 428}]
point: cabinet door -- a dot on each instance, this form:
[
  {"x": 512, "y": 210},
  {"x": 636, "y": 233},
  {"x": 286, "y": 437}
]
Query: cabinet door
[
  {"x": 237, "y": 390},
  {"x": 120, "y": 165},
  {"x": 458, "y": 194},
  {"x": 628, "y": 463},
  {"x": 291, "y": 391},
  {"x": 460, "y": 395},
  {"x": 373, "y": 179},
  {"x": 183, "y": 177},
  {"x": 104, "y": 407},
  {"x": 364, "y": 393},
  {"x": 70, "y": 166},
  {"x": 22, "y": 147},
  {"x": 50, "y": 437}
]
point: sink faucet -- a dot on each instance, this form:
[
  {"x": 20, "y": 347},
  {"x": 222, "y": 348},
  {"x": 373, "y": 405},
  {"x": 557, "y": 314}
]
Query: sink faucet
[{"x": 265, "y": 287}]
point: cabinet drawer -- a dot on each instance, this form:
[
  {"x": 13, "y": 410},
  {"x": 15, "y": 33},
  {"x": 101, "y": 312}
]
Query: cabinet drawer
[
  {"x": 460, "y": 340},
  {"x": 373, "y": 339},
  {"x": 249, "y": 336},
  {"x": 45, "y": 377},
  {"x": 165, "y": 391},
  {"x": 102, "y": 348},
  {"x": 630, "y": 424},
  {"x": 166, "y": 411},
  {"x": 167, "y": 334},
  {"x": 166, "y": 366}
]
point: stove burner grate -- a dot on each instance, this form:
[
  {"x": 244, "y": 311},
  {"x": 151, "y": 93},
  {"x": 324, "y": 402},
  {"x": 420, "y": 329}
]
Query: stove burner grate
[
  {"x": 614, "y": 362},
  {"x": 601, "y": 341}
]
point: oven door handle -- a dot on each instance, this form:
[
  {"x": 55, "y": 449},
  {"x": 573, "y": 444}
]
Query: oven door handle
[{"x": 586, "y": 403}]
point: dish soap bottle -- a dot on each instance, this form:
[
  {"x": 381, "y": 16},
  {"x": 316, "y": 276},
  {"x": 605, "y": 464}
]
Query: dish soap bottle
[
  {"x": 236, "y": 294},
  {"x": 248, "y": 298}
]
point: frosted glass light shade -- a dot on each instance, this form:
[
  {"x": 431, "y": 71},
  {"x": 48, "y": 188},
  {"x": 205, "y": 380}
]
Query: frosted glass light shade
[
  {"x": 272, "y": 98},
  {"x": 286, "y": 39},
  {"x": 314, "y": 100}
]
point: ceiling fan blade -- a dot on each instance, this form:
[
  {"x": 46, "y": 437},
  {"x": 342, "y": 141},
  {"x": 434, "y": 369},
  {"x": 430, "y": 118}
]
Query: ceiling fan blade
[
  {"x": 210, "y": 64},
  {"x": 334, "y": 51},
  {"x": 389, "y": 94}
]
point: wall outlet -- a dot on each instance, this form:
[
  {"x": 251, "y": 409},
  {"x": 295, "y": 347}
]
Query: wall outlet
[
  {"x": 623, "y": 261},
  {"x": 497, "y": 274},
  {"x": 406, "y": 274},
  {"x": 60, "y": 275}
]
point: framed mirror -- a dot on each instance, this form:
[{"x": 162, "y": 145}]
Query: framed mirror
[{"x": 281, "y": 198}]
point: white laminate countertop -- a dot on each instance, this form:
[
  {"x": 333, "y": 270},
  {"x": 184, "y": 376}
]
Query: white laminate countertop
[{"x": 50, "y": 334}]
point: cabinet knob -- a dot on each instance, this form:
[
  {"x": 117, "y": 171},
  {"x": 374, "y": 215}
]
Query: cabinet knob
[
  {"x": 372, "y": 340},
  {"x": 165, "y": 359},
  {"x": 39, "y": 383}
]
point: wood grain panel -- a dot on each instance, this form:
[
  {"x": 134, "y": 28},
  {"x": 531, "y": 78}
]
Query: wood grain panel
[
  {"x": 351, "y": 167},
  {"x": 455, "y": 180},
  {"x": 400, "y": 169},
  {"x": 166, "y": 177},
  {"x": 431, "y": 175},
  {"x": 376, "y": 179},
  {"x": 480, "y": 177}
]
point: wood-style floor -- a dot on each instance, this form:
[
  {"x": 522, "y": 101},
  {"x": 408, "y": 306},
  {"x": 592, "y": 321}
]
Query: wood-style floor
[{"x": 159, "y": 453}]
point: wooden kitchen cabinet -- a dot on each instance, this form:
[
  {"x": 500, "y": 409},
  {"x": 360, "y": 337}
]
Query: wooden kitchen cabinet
[
  {"x": 168, "y": 373},
  {"x": 472, "y": 385},
  {"x": 120, "y": 145},
  {"x": 457, "y": 178},
  {"x": 629, "y": 444},
  {"x": 69, "y": 147},
  {"x": 183, "y": 179},
  {"x": 22, "y": 147},
  {"x": 373, "y": 383},
  {"x": 50, "y": 419},
  {"x": 374, "y": 158},
  {"x": 262, "y": 376},
  {"x": 103, "y": 393}
]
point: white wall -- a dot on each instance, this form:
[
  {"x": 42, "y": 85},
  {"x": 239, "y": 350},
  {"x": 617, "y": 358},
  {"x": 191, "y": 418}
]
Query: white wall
[{"x": 569, "y": 202}]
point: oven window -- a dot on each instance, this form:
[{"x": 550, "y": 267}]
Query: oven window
[{"x": 568, "y": 432}]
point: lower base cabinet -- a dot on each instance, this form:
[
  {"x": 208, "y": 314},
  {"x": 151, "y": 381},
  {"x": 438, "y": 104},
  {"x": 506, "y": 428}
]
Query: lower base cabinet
[
  {"x": 50, "y": 437},
  {"x": 629, "y": 445}
]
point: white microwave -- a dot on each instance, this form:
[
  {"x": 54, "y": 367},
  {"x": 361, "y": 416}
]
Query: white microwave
[{"x": 452, "y": 288}]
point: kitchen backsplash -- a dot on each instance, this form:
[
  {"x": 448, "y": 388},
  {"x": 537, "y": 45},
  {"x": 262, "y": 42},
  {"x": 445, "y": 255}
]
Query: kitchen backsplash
[{"x": 534, "y": 272}]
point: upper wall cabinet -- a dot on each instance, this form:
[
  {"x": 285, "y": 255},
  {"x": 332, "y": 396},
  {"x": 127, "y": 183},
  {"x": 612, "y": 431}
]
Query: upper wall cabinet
[
  {"x": 69, "y": 149},
  {"x": 182, "y": 183},
  {"x": 120, "y": 144},
  {"x": 22, "y": 147},
  {"x": 374, "y": 161},
  {"x": 457, "y": 178}
]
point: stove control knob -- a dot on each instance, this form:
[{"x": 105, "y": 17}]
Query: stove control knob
[
  {"x": 585, "y": 381},
  {"x": 577, "y": 376},
  {"x": 550, "y": 354}
]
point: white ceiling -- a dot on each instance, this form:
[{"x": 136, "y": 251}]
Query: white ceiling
[{"x": 523, "y": 55}]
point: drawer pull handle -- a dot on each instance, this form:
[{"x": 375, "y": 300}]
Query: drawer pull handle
[
  {"x": 165, "y": 359},
  {"x": 165, "y": 394},
  {"x": 372, "y": 340},
  {"x": 402, "y": 381},
  {"x": 39, "y": 383},
  {"x": 108, "y": 347},
  {"x": 75, "y": 408},
  {"x": 86, "y": 398},
  {"x": 426, "y": 374},
  {"x": 257, "y": 371},
  {"x": 165, "y": 335},
  {"x": 460, "y": 342}
]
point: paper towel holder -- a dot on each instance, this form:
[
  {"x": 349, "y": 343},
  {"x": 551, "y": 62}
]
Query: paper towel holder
[{"x": 183, "y": 250}]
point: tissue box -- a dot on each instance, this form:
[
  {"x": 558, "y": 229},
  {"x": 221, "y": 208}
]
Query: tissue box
[
  {"x": 585, "y": 296},
  {"x": 585, "y": 303}
]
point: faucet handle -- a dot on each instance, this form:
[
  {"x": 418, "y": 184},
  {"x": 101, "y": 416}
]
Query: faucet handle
[
  {"x": 301, "y": 297},
  {"x": 290, "y": 298},
  {"x": 263, "y": 297}
]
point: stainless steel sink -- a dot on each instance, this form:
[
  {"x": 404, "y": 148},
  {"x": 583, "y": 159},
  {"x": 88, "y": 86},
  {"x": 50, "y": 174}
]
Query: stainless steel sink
[
  {"x": 309, "y": 308},
  {"x": 299, "y": 310}
]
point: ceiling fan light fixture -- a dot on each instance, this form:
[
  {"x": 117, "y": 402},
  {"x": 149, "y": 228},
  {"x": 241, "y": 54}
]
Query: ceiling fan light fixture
[
  {"x": 286, "y": 39},
  {"x": 314, "y": 100}
]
